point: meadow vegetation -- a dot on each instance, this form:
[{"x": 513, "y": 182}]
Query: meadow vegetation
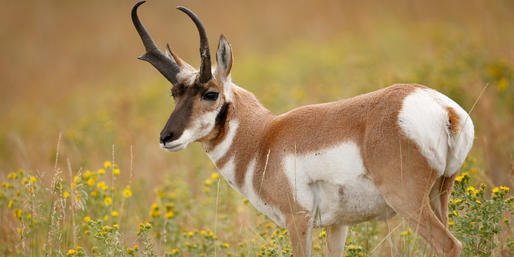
[{"x": 81, "y": 172}]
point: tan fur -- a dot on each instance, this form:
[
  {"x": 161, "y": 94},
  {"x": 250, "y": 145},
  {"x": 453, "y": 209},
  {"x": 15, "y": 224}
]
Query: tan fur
[
  {"x": 371, "y": 121},
  {"x": 454, "y": 120}
]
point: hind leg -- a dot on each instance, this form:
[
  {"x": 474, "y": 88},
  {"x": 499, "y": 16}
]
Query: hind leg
[
  {"x": 405, "y": 181},
  {"x": 435, "y": 198},
  {"x": 417, "y": 211},
  {"x": 446, "y": 189}
]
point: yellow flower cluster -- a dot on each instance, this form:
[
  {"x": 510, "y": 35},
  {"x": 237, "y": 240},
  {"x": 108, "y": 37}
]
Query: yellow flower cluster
[
  {"x": 461, "y": 177},
  {"x": 471, "y": 190},
  {"x": 154, "y": 211}
]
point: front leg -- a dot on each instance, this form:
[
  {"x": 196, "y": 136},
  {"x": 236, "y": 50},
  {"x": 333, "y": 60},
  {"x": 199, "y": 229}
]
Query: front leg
[
  {"x": 336, "y": 237},
  {"x": 300, "y": 230}
]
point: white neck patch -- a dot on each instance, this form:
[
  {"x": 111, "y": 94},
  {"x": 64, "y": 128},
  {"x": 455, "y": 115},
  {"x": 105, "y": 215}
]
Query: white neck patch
[{"x": 222, "y": 148}]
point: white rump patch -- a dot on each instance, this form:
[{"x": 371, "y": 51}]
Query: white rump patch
[{"x": 424, "y": 120}]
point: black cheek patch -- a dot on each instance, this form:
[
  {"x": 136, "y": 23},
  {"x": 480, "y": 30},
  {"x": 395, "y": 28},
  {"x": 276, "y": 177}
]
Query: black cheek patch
[{"x": 221, "y": 118}]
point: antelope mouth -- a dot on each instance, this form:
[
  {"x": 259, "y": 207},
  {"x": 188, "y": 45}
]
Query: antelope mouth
[{"x": 173, "y": 147}]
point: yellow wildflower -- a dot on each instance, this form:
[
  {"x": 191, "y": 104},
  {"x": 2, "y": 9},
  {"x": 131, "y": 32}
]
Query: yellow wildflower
[
  {"x": 136, "y": 247},
  {"x": 169, "y": 215},
  {"x": 106, "y": 217},
  {"x": 71, "y": 251},
  {"x": 454, "y": 213},
  {"x": 76, "y": 179},
  {"x": 215, "y": 175},
  {"x": 91, "y": 182},
  {"x": 322, "y": 234},
  {"x": 115, "y": 213},
  {"x": 472, "y": 190},
  {"x": 477, "y": 201},
  {"x": 86, "y": 174},
  {"x": 458, "y": 201},
  {"x": 451, "y": 223},
  {"x": 66, "y": 194},
  {"x": 87, "y": 219},
  {"x": 203, "y": 232},
  {"x": 24, "y": 181},
  {"x": 102, "y": 186},
  {"x": 108, "y": 201},
  {"x": 107, "y": 164},
  {"x": 130, "y": 250},
  {"x": 19, "y": 231},
  {"x": 155, "y": 213},
  {"x": 29, "y": 216},
  {"x": 10, "y": 204},
  {"x": 101, "y": 171},
  {"x": 191, "y": 234},
  {"x": 225, "y": 245},
  {"x": 32, "y": 179},
  {"x": 504, "y": 188},
  {"x": 459, "y": 178},
  {"x": 175, "y": 251},
  {"x": 116, "y": 172},
  {"x": 495, "y": 190},
  {"x": 169, "y": 206},
  {"x": 116, "y": 226},
  {"x": 94, "y": 193},
  {"x": 208, "y": 182},
  {"x": 126, "y": 192}
]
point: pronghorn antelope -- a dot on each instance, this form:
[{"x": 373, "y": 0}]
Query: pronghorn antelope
[{"x": 393, "y": 151}]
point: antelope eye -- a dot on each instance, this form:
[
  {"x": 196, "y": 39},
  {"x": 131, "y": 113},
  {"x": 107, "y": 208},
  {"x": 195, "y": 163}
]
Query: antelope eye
[{"x": 211, "y": 96}]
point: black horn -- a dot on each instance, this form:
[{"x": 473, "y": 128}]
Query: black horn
[
  {"x": 205, "y": 67},
  {"x": 153, "y": 55}
]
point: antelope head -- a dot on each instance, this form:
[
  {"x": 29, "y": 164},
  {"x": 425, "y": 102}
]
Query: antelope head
[{"x": 201, "y": 96}]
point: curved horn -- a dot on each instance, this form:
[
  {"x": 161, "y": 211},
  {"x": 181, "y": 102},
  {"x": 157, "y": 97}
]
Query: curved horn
[
  {"x": 153, "y": 55},
  {"x": 205, "y": 67}
]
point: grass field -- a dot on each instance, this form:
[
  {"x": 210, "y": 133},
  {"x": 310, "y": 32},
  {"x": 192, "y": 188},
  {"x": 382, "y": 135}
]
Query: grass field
[{"x": 81, "y": 169}]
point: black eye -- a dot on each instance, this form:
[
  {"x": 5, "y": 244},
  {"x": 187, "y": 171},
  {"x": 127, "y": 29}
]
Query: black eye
[{"x": 210, "y": 96}]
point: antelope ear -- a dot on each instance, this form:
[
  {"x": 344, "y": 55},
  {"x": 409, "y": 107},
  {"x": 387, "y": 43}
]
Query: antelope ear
[{"x": 223, "y": 59}]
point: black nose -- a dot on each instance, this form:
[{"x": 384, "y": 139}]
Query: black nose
[{"x": 166, "y": 137}]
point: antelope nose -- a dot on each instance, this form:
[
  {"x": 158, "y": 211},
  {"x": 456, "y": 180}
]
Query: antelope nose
[{"x": 166, "y": 137}]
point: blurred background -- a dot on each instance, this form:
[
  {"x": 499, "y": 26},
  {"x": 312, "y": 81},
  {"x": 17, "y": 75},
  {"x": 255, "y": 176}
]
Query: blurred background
[{"x": 69, "y": 68}]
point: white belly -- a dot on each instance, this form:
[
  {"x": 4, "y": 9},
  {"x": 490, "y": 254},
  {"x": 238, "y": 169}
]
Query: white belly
[{"x": 332, "y": 184}]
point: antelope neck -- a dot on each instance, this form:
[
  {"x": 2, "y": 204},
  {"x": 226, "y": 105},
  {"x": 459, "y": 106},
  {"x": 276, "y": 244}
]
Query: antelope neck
[{"x": 240, "y": 139}]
